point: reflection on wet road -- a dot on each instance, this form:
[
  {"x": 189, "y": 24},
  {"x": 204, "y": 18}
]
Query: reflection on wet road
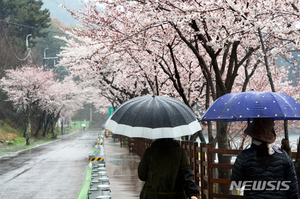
[
  {"x": 56, "y": 170},
  {"x": 122, "y": 171}
]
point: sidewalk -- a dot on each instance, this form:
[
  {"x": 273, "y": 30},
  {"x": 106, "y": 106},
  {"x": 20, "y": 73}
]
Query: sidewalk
[{"x": 122, "y": 171}]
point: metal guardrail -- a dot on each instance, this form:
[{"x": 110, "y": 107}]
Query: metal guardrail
[{"x": 96, "y": 184}]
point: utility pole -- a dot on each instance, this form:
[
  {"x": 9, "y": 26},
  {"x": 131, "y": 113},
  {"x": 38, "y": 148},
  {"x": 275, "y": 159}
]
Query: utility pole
[
  {"x": 48, "y": 58},
  {"x": 91, "y": 114}
]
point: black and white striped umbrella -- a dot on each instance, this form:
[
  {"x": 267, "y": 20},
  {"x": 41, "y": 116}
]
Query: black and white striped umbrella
[{"x": 153, "y": 117}]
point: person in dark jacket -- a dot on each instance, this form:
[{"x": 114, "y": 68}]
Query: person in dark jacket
[
  {"x": 264, "y": 170},
  {"x": 166, "y": 171}
]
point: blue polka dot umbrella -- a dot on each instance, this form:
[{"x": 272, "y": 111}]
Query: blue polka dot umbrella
[
  {"x": 153, "y": 117},
  {"x": 253, "y": 104}
]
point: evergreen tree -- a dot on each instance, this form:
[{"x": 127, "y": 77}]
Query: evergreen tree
[{"x": 28, "y": 13}]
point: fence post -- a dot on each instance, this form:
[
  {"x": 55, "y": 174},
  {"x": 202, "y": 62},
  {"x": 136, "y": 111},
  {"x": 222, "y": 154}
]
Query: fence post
[
  {"x": 202, "y": 166},
  {"x": 135, "y": 141},
  {"x": 196, "y": 167},
  {"x": 120, "y": 138},
  {"x": 138, "y": 146},
  {"x": 139, "y": 149},
  {"x": 209, "y": 170},
  {"x": 190, "y": 154}
]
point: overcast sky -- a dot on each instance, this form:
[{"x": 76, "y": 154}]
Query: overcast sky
[{"x": 61, "y": 13}]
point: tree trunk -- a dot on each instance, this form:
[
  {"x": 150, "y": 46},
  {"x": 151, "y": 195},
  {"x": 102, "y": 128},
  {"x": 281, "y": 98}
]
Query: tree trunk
[
  {"x": 266, "y": 61},
  {"x": 54, "y": 134},
  {"x": 196, "y": 135},
  {"x": 62, "y": 127},
  {"x": 54, "y": 121},
  {"x": 46, "y": 125},
  {"x": 223, "y": 173},
  {"x": 41, "y": 123},
  {"x": 209, "y": 123},
  {"x": 286, "y": 141},
  {"x": 297, "y": 164},
  {"x": 28, "y": 127}
]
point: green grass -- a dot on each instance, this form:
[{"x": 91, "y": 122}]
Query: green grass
[
  {"x": 14, "y": 141},
  {"x": 10, "y": 135},
  {"x": 21, "y": 145},
  {"x": 10, "y": 129},
  {"x": 5, "y": 129},
  {"x": 17, "y": 141}
]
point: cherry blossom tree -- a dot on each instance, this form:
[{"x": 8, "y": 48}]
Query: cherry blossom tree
[
  {"x": 29, "y": 87},
  {"x": 182, "y": 48},
  {"x": 195, "y": 51},
  {"x": 103, "y": 81},
  {"x": 63, "y": 99},
  {"x": 25, "y": 86},
  {"x": 238, "y": 140}
]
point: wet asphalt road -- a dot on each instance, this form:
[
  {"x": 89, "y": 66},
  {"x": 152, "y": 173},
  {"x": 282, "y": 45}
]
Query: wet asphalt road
[{"x": 56, "y": 170}]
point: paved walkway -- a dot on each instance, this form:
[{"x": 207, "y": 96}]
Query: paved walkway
[{"x": 122, "y": 171}]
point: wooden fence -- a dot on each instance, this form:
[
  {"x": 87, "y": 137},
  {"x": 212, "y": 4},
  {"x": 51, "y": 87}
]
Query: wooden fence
[
  {"x": 209, "y": 178},
  {"x": 203, "y": 164}
]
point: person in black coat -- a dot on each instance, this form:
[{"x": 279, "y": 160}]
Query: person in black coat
[
  {"x": 264, "y": 170},
  {"x": 166, "y": 171}
]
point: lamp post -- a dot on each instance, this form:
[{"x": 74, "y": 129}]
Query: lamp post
[
  {"x": 45, "y": 52},
  {"x": 44, "y": 60},
  {"x": 27, "y": 41}
]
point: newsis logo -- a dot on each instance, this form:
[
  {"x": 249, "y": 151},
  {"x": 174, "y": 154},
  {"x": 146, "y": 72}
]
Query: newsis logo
[{"x": 261, "y": 185}]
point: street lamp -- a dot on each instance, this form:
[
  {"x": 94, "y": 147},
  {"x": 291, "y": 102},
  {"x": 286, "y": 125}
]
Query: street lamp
[
  {"x": 27, "y": 41},
  {"x": 45, "y": 52}
]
